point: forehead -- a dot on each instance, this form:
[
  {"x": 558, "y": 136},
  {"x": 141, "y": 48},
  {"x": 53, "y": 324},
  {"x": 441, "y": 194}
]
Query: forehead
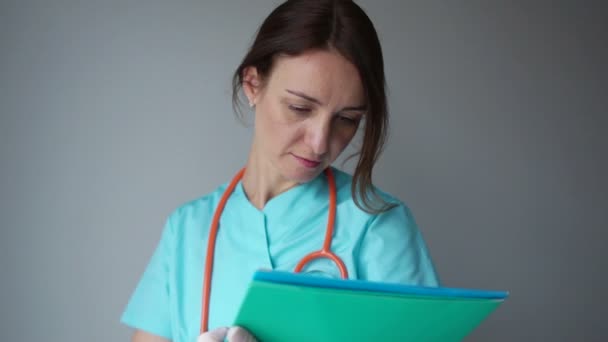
[{"x": 325, "y": 75}]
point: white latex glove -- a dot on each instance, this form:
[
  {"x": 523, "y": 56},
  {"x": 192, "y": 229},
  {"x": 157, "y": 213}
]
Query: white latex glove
[{"x": 234, "y": 334}]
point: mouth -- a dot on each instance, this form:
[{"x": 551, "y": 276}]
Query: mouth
[{"x": 311, "y": 164}]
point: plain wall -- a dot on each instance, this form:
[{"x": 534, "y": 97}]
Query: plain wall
[{"x": 113, "y": 113}]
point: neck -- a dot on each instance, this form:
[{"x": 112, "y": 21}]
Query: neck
[{"x": 262, "y": 181}]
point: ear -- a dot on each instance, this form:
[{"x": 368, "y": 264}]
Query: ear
[{"x": 252, "y": 84}]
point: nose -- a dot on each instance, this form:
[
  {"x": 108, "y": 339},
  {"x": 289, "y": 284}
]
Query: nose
[{"x": 318, "y": 134}]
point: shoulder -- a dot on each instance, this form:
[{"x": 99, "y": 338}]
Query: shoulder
[
  {"x": 344, "y": 183},
  {"x": 391, "y": 247},
  {"x": 396, "y": 223},
  {"x": 195, "y": 209}
]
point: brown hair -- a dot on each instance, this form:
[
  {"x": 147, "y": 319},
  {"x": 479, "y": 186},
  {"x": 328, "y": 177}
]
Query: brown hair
[{"x": 341, "y": 25}]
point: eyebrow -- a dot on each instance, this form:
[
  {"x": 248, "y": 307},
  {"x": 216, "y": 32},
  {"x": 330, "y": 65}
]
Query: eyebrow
[{"x": 312, "y": 99}]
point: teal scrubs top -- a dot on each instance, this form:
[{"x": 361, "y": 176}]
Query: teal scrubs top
[{"x": 386, "y": 247}]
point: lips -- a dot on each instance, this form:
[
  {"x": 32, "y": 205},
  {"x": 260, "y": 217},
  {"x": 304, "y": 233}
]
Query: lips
[{"x": 307, "y": 162}]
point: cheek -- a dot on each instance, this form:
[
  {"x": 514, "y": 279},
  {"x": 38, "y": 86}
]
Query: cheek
[
  {"x": 340, "y": 141},
  {"x": 278, "y": 133}
]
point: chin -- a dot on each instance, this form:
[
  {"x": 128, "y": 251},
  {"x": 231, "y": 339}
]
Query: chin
[{"x": 302, "y": 175}]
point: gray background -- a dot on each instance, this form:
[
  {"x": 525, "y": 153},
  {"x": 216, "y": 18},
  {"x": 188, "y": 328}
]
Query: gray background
[{"x": 115, "y": 112}]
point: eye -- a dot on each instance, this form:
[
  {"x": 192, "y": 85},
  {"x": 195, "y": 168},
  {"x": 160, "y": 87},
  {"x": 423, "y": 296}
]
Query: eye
[
  {"x": 347, "y": 120},
  {"x": 299, "y": 109}
]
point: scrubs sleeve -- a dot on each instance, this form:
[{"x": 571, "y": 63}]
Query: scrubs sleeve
[
  {"x": 148, "y": 308},
  {"x": 393, "y": 250}
]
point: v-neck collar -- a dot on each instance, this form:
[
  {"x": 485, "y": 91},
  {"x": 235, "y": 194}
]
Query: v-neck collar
[{"x": 290, "y": 200}]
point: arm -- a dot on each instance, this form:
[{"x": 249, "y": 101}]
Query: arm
[
  {"x": 148, "y": 308},
  {"x": 142, "y": 336}
]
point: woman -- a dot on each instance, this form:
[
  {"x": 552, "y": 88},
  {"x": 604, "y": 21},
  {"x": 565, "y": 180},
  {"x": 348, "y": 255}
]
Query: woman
[{"x": 313, "y": 75}]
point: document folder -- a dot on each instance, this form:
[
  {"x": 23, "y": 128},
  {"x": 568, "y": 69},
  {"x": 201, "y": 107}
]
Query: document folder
[{"x": 288, "y": 307}]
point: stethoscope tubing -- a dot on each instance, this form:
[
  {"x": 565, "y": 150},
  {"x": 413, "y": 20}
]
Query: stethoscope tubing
[{"x": 325, "y": 252}]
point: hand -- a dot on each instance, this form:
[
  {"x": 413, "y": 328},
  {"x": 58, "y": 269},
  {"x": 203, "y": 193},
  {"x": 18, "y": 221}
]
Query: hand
[{"x": 234, "y": 334}]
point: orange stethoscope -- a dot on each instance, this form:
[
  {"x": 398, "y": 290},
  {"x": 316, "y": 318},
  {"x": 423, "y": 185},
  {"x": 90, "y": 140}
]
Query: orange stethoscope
[{"x": 323, "y": 253}]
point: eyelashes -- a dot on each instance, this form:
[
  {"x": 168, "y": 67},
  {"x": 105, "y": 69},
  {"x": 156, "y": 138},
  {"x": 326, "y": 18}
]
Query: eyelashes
[
  {"x": 348, "y": 120},
  {"x": 299, "y": 109},
  {"x": 304, "y": 111}
]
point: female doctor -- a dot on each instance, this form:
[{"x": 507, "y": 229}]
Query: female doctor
[{"x": 313, "y": 75}]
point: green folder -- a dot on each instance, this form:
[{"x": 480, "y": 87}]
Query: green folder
[{"x": 288, "y": 307}]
